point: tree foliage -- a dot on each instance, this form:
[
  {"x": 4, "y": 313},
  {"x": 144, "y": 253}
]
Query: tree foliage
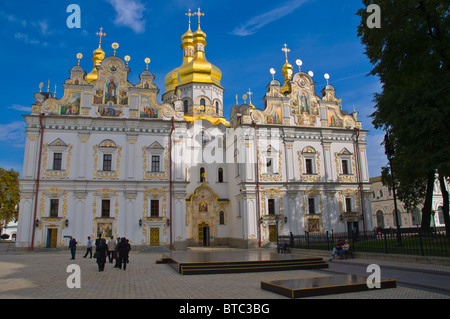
[
  {"x": 411, "y": 56},
  {"x": 9, "y": 196}
]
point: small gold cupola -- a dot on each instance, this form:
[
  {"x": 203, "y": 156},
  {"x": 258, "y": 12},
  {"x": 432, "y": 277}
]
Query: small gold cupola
[
  {"x": 99, "y": 56},
  {"x": 287, "y": 73}
]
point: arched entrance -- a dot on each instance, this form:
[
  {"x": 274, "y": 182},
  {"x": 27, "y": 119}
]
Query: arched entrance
[
  {"x": 203, "y": 235},
  {"x": 205, "y": 218}
]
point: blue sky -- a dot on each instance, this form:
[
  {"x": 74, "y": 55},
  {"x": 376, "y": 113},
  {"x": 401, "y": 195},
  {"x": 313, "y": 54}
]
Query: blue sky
[{"x": 244, "y": 39}]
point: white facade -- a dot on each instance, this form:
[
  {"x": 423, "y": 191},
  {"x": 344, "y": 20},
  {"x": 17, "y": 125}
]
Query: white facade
[
  {"x": 383, "y": 207},
  {"x": 106, "y": 166}
]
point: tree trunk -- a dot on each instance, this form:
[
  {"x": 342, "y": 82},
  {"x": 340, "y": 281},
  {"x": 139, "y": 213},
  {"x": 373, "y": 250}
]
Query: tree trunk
[
  {"x": 427, "y": 205},
  {"x": 445, "y": 205}
]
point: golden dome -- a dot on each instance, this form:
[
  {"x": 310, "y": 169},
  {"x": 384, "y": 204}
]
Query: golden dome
[
  {"x": 287, "y": 73},
  {"x": 195, "y": 68},
  {"x": 99, "y": 56}
]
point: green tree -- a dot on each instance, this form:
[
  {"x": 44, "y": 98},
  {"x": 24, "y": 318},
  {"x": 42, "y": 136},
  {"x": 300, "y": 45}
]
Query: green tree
[
  {"x": 411, "y": 56},
  {"x": 9, "y": 196}
]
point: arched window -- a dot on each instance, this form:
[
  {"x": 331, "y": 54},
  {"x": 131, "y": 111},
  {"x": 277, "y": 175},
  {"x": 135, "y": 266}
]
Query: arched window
[
  {"x": 220, "y": 175},
  {"x": 380, "y": 219},
  {"x": 217, "y": 108},
  {"x": 202, "y": 105},
  {"x": 441, "y": 215},
  {"x": 186, "y": 106},
  {"x": 202, "y": 174},
  {"x": 222, "y": 218},
  {"x": 416, "y": 216}
]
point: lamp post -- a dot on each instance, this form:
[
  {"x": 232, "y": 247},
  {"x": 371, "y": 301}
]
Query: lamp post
[{"x": 389, "y": 151}]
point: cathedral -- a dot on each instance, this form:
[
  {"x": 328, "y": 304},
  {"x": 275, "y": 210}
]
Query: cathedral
[{"x": 108, "y": 158}]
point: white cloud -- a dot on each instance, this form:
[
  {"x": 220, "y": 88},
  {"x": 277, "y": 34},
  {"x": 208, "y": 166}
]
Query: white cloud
[
  {"x": 13, "y": 133},
  {"x": 20, "y": 108},
  {"x": 129, "y": 13},
  {"x": 256, "y": 23}
]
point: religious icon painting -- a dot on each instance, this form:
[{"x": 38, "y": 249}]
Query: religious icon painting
[
  {"x": 72, "y": 107},
  {"x": 333, "y": 119},
  {"x": 111, "y": 90},
  {"x": 104, "y": 229},
  {"x": 123, "y": 97},
  {"x": 146, "y": 109},
  {"x": 109, "y": 110},
  {"x": 113, "y": 68},
  {"x": 276, "y": 117},
  {"x": 313, "y": 225},
  {"x": 303, "y": 101},
  {"x": 203, "y": 208}
]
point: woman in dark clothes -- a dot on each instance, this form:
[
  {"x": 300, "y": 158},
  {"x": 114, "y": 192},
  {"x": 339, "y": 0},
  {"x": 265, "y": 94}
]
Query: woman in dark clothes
[
  {"x": 101, "y": 252},
  {"x": 123, "y": 249}
]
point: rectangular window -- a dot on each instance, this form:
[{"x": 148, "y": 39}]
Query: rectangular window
[
  {"x": 311, "y": 206},
  {"x": 269, "y": 166},
  {"x": 154, "y": 208},
  {"x": 106, "y": 205},
  {"x": 54, "y": 205},
  {"x": 308, "y": 166},
  {"x": 57, "y": 161},
  {"x": 271, "y": 206},
  {"x": 348, "y": 204},
  {"x": 345, "y": 170},
  {"x": 155, "y": 163},
  {"x": 220, "y": 177},
  {"x": 107, "y": 162}
]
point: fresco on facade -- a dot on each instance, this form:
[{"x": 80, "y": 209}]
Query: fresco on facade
[
  {"x": 73, "y": 106},
  {"x": 146, "y": 109},
  {"x": 276, "y": 117},
  {"x": 333, "y": 119},
  {"x": 110, "y": 110}
]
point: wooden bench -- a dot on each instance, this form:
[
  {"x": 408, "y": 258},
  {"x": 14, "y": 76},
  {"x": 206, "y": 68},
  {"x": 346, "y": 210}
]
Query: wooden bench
[
  {"x": 286, "y": 250},
  {"x": 347, "y": 253}
]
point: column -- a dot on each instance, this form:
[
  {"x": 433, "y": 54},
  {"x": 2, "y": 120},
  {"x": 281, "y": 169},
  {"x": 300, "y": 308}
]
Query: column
[{"x": 131, "y": 154}]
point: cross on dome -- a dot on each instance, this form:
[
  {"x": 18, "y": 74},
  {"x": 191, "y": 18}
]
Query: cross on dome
[
  {"x": 199, "y": 14},
  {"x": 189, "y": 14},
  {"x": 101, "y": 34},
  {"x": 285, "y": 50}
]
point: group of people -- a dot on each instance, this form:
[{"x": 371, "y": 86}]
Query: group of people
[
  {"x": 341, "y": 248},
  {"x": 111, "y": 249}
]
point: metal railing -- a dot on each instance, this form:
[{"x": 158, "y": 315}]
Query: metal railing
[{"x": 412, "y": 241}]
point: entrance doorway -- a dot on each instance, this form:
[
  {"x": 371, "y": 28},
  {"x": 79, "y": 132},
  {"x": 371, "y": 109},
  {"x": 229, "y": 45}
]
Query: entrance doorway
[
  {"x": 203, "y": 234},
  {"x": 154, "y": 236},
  {"x": 52, "y": 236},
  {"x": 353, "y": 230},
  {"x": 273, "y": 233}
]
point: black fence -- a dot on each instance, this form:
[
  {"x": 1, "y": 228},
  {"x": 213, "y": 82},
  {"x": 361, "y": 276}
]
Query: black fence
[{"x": 410, "y": 241}]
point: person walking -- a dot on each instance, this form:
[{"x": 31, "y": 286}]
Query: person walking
[
  {"x": 116, "y": 253},
  {"x": 88, "y": 247},
  {"x": 123, "y": 248},
  {"x": 72, "y": 246},
  {"x": 111, "y": 249},
  {"x": 101, "y": 251}
]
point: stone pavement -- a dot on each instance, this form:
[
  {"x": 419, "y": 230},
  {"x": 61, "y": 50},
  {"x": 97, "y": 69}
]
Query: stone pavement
[{"x": 43, "y": 275}]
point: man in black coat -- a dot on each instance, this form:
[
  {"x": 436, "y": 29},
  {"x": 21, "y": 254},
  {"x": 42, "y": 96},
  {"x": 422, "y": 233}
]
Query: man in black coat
[
  {"x": 72, "y": 246},
  {"x": 101, "y": 252},
  {"x": 123, "y": 248}
]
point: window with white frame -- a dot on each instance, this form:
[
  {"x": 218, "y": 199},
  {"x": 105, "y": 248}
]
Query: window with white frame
[
  {"x": 309, "y": 156},
  {"x": 107, "y": 149},
  {"x": 58, "y": 148},
  {"x": 345, "y": 162},
  {"x": 270, "y": 161},
  {"x": 154, "y": 155}
]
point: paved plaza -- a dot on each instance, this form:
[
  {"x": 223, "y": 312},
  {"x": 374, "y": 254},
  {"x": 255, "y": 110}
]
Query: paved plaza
[{"x": 43, "y": 275}]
